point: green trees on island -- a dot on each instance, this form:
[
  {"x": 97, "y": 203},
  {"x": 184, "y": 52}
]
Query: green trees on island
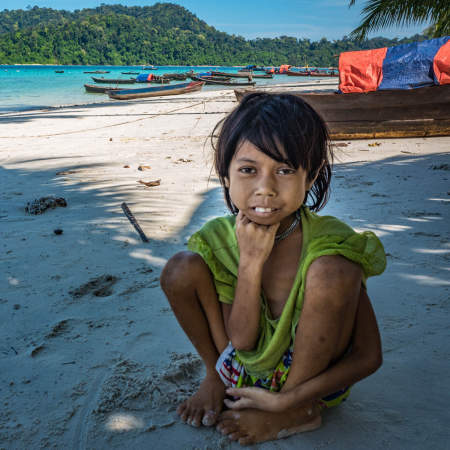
[{"x": 161, "y": 34}]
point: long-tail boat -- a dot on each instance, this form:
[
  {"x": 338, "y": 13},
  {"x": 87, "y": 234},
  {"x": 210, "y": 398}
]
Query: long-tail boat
[
  {"x": 96, "y": 71},
  {"x": 114, "y": 80},
  {"x": 242, "y": 75},
  {"x": 420, "y": 112},
  {"x": 94, "y": 88},
  {"x": 175, "y": 76},
  {"x": 298, "y": 73},
  {"x": 211, "y": 80},
  {"x": 176, "y": 89}
]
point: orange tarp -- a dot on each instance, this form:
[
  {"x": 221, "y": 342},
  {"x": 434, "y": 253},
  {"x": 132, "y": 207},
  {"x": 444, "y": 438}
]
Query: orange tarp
[
  {"x": 441, "y": 64},
  {"x": 361, "y": 71}
]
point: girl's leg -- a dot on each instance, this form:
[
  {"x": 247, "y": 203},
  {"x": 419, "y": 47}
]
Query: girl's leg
[
  {"x": 187, "y": 282},
  {"x": 323, "y": 334},
  {"x": 332, "y": 291}
]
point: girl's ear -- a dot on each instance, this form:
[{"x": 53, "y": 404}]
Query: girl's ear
[{"x": 226, "y": 182}]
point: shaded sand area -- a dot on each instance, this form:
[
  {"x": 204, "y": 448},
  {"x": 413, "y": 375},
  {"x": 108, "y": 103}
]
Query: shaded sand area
[{"x": 91, "y": 356}]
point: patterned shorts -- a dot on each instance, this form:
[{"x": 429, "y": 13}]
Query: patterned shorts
[{"x": 233, "y": 374}]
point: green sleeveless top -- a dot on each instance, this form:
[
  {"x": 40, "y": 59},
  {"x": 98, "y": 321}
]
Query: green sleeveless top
[{"x": 216, "y": 243}]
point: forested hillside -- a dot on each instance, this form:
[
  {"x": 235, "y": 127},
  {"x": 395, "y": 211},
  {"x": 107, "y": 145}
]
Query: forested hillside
[{"x": 160, "y": 34}]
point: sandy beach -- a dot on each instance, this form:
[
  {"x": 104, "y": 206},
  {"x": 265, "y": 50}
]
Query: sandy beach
[{"x": 91, "y": 356}]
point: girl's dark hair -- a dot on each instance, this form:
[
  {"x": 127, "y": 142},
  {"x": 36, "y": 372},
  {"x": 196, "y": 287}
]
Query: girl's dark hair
[{"x": 280, "y": 125}]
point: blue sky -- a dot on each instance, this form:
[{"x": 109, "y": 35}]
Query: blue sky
[{"x": 312, "y": 19}]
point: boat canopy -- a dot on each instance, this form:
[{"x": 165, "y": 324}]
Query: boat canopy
[{"x": 405, "y": 66}]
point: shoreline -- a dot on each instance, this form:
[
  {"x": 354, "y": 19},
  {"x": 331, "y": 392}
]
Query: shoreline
[{"x": 213, "y": 89}]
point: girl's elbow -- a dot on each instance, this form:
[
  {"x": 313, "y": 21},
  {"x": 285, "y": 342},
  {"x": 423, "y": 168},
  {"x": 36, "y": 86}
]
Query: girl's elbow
[{"x": 373, "y": 362}]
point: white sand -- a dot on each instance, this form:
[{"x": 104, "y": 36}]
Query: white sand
[{"x": 102, "y": 365}]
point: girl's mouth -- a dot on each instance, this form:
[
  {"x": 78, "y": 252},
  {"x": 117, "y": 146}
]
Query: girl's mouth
[{"x": 261, "y": 210}]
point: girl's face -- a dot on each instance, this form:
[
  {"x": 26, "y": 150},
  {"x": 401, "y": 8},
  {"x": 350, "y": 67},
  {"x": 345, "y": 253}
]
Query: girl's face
[{"x": 265, "y": 190}]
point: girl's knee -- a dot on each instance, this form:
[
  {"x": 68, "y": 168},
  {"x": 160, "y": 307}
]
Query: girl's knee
[
  {"x": 182, "y": 270},
  {"x": 335, "y": 275}
]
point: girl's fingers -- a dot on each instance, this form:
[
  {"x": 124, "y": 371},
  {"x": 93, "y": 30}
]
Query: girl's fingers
[{"x": 242, "y": 403}]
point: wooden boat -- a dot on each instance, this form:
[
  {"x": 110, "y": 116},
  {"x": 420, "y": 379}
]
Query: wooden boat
[
  {"x": 312, "y": 73},
  {"x": 157, "y": 80},
  {"x": 59, "y": 71},
  {"x": 176, "y": 89},
  {"x": 114, "y": 80},
  {"x": 242, "y": 75},
  {"x": 149, "y": 68},
  {"x": 97, "y": 71},
  {"x": 293, "y": 73},
  {"x": 211, "y": 80},
  {"x": 130, "y": 73},
  {"x": 324, "y": 74},
  {"x": 420, "y": 112},
  {"x": 94, "y": 88},
  {"x": 175, "y": 76}
]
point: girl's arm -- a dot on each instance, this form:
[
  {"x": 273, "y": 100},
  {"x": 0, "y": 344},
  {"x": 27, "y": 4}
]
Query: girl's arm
[
  {"x": 364, "y": 358},
  {"x": 255, "y": 244}
]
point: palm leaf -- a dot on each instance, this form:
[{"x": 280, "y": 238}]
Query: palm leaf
[{"x": 379, "y": 14}]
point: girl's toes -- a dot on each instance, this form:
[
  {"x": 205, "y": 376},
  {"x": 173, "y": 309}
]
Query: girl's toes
[
  {"x": 196, "y": 419},
  {"x": 181, "y": 408},
  {"x": 184, "y": 416},
  {"x": 210, "y": 418},
  {"x": 226, "y": 430},
  {"x": 236, "y": 435}
]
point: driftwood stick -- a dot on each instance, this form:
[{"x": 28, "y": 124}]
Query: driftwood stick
[{"x": 133, "y": 222}]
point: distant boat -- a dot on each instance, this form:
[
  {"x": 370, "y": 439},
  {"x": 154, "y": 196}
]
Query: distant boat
[
  {"x": 115, "y": 80},
  {"x": 149, "y": 68},
  {"x": 242, "y": 75},
  {"x": 97, "y": 71},
  {"x": 175, "y": 76},
  {"x": 130, "y": 73},
  {"x": 313, "y": 72},
  {"x": 59, "y": 71},
  {"x": 298, "y": 73},
  {"x": 182, "y": 88},
  {"x": 211, "y": 80},
  {"x": 94, "y": 88}
]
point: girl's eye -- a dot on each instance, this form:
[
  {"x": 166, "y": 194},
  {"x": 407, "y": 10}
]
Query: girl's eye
[
  {"x": 247, "y": 170},
  {"x": 286, "y": 171}
]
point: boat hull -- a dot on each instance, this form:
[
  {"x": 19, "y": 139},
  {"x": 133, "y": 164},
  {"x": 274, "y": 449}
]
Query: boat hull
[
  {"x": 242, "y": 75},
  {"x": 114, "y": 81},
  {"x": 210, "y": 81},
  {"x": 99, "y": 89},
  {"x": 130, "y": 94},
  {"x": 418, "y": 112}
]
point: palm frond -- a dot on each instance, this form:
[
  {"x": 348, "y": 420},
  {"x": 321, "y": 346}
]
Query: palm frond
[{"x": 384, "y": 13}]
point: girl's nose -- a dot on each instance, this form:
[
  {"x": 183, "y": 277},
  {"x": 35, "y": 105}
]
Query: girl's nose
[{"x": 266, "y": 186}]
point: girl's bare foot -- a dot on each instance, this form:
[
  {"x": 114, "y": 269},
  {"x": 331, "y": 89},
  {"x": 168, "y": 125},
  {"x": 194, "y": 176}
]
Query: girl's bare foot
[
  {"x": 204, "y": 407},
  {"x": 250, "y": 426}
]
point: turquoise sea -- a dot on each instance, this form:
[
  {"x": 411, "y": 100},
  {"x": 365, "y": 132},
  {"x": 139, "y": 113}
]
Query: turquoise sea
[{"x": 25, "y": 87}]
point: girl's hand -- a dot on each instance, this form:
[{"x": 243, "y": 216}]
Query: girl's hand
[
  {"x": 255, "y": 241},
  {"x": 254, "y": 397}
]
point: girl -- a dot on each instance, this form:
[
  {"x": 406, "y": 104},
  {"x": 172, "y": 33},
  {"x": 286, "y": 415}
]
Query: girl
[{"x": 273, "y": 297}]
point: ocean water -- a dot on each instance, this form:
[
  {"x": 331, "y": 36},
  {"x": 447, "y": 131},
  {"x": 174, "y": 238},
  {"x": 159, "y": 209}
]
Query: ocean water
[{"x": 35, "y": 87}]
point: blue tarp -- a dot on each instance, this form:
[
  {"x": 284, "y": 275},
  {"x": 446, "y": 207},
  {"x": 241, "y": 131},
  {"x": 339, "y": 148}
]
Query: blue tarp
[{"x": 410, "y": 66}]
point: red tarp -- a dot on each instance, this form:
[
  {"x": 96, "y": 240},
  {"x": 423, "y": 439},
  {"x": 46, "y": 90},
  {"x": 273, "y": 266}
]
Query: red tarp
[
  {"x": 361, "y": 71},
  {"x": 441, "y": 64}
]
